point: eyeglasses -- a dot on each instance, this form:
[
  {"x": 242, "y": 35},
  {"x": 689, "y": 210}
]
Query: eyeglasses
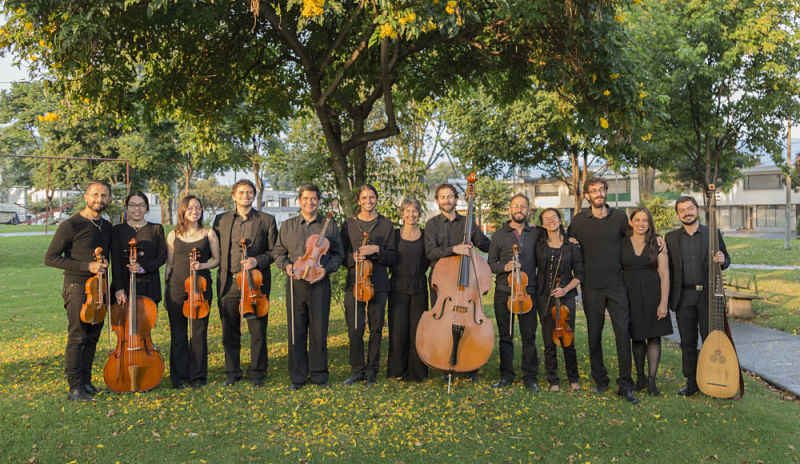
[
  {"x": 597, "y": 190},
  {"x": 550, "y": 219},
  {"x": 137, "y": 205}
]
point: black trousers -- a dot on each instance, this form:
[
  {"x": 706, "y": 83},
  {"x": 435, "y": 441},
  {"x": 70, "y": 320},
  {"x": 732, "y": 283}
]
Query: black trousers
[
  {"x": 232, "y": 337},
  {"x": 375, "y": 311},
  {"x": 404, "y": 314},
  {"x": 595, "y": 303},
  {"x": 527, "y": 332},
  {"x": 550, "y": 349},
  {"x": 692, "y": 314},
  {"x": 312, "y": 307},
  {"x": 188, "y": 356},
  {"x": 81, "y": 337}
]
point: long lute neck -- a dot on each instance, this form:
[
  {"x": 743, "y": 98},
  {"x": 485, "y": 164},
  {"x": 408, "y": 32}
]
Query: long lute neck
[{"x": 716, "y": 293}]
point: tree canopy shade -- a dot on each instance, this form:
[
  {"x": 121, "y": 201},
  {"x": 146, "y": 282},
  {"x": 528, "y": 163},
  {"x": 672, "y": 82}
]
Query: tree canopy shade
[{"x": 336, "y": 57}]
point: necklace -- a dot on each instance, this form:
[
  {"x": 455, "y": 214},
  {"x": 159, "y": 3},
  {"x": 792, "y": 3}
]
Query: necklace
[
  {"x": 99, "y": 226},
  {"x": 136, "y": 228}
]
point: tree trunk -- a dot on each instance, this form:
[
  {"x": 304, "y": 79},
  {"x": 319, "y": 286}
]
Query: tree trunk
[
  {"x": 259, "y": 184},
  {"x": 647, "y": 182},
  {"x": 166, "y": 208},
  {"x": 577, "y": 191}
]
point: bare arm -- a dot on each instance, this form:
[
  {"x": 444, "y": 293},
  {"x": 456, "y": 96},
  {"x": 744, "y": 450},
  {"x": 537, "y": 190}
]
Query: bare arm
[
  {"x": 213, "y": 243},
  {"x": 663, "y": 273},
  {"x": 170, "y": 254}
]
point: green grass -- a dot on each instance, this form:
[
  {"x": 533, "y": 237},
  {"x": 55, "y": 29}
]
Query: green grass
[
  {"x": 762, "y": 251},
  {"x": 393, "y": 422},
  {"x": 780, "y": 308}
]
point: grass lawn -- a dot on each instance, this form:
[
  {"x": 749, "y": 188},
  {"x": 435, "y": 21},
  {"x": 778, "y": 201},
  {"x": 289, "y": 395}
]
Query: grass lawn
[
  {"x": 780, "y": 308},
  {"x": 393, "y": 422},
  {"x": 762, "y": 251}
]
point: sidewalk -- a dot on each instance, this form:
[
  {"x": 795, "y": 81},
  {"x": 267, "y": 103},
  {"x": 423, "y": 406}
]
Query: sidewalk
[{"x": 771, "y": 354}]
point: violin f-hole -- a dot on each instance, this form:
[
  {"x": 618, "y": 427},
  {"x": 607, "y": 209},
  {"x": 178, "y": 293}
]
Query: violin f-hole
[{"x": 441, "y": 309}]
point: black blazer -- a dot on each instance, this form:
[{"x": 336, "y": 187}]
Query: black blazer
[
  {"x": 673, "y": 240},
  {"x": 265, "y": 233}
]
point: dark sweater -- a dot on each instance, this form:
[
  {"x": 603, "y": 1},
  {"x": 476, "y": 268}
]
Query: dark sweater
[
  {"x": 152, "y": 248},
  {"x": 72, "y": 247}
]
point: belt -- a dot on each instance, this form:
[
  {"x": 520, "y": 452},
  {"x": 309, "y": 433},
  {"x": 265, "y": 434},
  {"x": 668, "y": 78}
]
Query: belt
[{"x": 697, "y": 288}]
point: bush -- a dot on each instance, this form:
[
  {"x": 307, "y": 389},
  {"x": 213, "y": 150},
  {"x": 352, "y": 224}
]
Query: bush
[{"x": 663, "y": 214}]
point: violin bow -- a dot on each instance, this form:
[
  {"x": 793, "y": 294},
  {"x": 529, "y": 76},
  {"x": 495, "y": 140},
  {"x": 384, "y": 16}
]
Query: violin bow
[{"x": 553, "y": 284}]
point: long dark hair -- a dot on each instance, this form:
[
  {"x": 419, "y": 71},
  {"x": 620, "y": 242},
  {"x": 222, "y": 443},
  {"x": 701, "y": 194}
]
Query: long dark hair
[
  {"x": 543, "y": 232},
  {"x": 650, "y": 242},
  {"x": 182, "y": 207}
]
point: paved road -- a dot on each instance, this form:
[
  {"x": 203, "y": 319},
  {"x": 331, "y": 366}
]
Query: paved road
[{"x": 27, "y": 234}]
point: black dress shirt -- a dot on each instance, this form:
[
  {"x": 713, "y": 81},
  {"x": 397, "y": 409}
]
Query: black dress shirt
[
  {"x": 501, "y": 251},
  {"x": 692, "y": 258},
  {"x": 442, "y": 234},
  {"x": 292, "y": 237}
]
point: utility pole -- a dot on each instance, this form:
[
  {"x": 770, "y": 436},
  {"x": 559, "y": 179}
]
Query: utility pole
[{"x": 788, "y": 237}]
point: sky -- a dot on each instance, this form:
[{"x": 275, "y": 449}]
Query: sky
[{"x": 10, "y": 73}]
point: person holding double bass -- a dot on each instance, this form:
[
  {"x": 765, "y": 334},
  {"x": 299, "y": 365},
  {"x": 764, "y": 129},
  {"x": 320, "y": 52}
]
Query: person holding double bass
[
  {"x": 259, "y": 232},
  {"x": 368, "y": 240},
  {"x": 72, "y": 249},
  {"x": 188, "y": 354},
  {"x": 557, "y": 257},
  {"x": 515, "y": 232}
]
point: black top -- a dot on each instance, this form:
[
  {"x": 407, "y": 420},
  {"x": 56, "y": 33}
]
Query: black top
[
  {"x": 73, "y": 244},
  {"x": 441, "y": 235},
  {"x": 547, "y": 259},
  {"x": 691, "y": 258},
  {"x": 601, "y": 242},
  {"x": 501, "y": 251},
  {"x": 241, "y": 229},
  {"x": 260, "y": 234},
  {"x": 180, "y": 264},
  {"x": 291, "y": 244},
  {"x": 381, "y": 233},
  {"x": 674, "y": 250},
  {"x": 152, "y": 248},
  {"x": 408, "y": 271}
]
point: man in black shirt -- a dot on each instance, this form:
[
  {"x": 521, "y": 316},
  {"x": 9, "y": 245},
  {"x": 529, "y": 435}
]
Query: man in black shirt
[
  {"x": 72, "y": 250},
  {"x": 444, "y": 235},
  {"x": 600, "y": 231},
  {"x": 687, "y": 247},
  {"x": 308, "y": 302},
  {"x": 260, "y": 233},
  {"x": 379, "y": 251},
  {"x": 517, "y": 232}
]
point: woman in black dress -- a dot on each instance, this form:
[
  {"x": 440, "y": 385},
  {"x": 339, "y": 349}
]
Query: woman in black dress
[
  {"x": 646, "y": 273},
  {"x": 408, "y": 298},
  {"x": 188, "y": 359},
  {"x": 150, "y": 244},
  {"x": 557, "y": 257}
]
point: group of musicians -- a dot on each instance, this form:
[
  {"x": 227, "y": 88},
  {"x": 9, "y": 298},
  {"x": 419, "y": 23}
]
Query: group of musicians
[{"x": 622, "y": 266}]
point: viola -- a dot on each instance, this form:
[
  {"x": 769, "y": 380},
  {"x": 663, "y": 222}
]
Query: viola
[
  {"x": 98, "y": 293},
  {"x": 196, "y": 306},
  {"x": 363, "y": 289},
  {"x": 455, "y": 335},
  {"x": 135, "y": 364},
  {"x": 308, "y": 266},
  {"x": 252, "y": 302},
  {"x": 562, "y": 333},
  {"x": 519, "y": 302}
]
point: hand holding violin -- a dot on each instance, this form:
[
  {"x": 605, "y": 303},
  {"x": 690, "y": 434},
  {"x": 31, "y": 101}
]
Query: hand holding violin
[
  {"x": 96, "y": 266},
  {"x": 249, "y": 263},
  {"x": 558, "y": 292}
]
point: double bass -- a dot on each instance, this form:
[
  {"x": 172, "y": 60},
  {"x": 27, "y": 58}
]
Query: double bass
[
  {"x": 718, "y": 371},
  {"x": 135, "y": 364},
  {"x": 455, "y": 335},
  {"x": 252, "y": 302},
  {"x": 98, "y": 293}
]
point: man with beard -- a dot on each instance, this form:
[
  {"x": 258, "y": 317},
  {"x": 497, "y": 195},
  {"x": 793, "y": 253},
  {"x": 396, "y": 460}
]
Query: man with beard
[
  {"x": 515, "y": 232},
  {"x": 72, "y": 249},
  {"x": 444, "y": 236},
  {"x": 600, "y": 231},
  {"x": 687, "y": 248}
]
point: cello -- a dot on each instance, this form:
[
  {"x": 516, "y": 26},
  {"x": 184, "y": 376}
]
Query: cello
[
  {"x": 98, "y": 290},
  {"x": 252, "y": 302},
  {"x": 718, "y": 372},
  {"x": 135, "y": 365},
  {"x": 455, "y": 335}
]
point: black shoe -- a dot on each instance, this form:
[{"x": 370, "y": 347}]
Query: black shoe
[
  {"x": 181, "y": 385},
  {"x": 641, "y": 383},
  {"x": 628, "y": 396},
  {"x": 324, "y": 385},
  {"x": 79, "y": 394},
  {"x": 90, "y": 389},
  {"x": 600, "y": 387},
  {"x": 353, "y": 379},
  {"x": 257, "y": 382},
  {"x": 197, "y": 384},
  {"x": 295, "y": 386},
  {"x": 473, "y": 376},
  {"x": 689, "y": 389},
  {"x": 371, "y": 380},
  {"x": 532, "y": 386},
  {"x": 502, "y": 383},
  {"x": 652, "y": 390},
  {"x": 229, "y": 382}
]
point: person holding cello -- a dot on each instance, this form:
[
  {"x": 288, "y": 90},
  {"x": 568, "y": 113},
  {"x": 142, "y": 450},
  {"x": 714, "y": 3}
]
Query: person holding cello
[
  {"x": 515, "y": 237},
  {"x": 72, "y": 249},
  {"x": 308, "y": 291},
  {"x": 368, "y": 240},
  {"x": 259, "y": 232},
  {"x": 188, "y": 359},
  {"x": 558, "y": 274},
  {"x": 444, "y": 234}
]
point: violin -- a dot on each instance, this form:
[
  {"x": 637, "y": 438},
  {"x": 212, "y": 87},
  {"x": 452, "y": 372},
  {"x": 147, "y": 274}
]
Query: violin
[
  {"x": 252, "y": 303},
  {"x": 135, "y": 364},
  {"x": 519, "y": 302},
  {"x": 562, "y": 333},
  {"x": 195, "y": 306},
  {"x": 308, "y": 266},
  {"x": 97, "y": 289},
  {"x": 363, "y": 289},
  {"x": 455, "y": 335}
]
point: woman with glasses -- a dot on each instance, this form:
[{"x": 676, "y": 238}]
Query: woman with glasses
[
  {"x": 557, "y": 257},
  {"x": 151, "y": 247},
  {"x": 188, "y": 354}
]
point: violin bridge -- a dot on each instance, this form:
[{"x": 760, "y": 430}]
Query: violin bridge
[{"x": 460, "y": 309}]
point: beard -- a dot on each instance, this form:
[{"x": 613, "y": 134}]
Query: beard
[
  {"x": 98, "y": 208},
  {"x": 689, "y": 222},
  {"x": 519, "y": 218}
]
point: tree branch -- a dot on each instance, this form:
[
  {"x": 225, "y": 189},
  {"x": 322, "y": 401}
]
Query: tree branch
[{"x": 340, "y": 38}]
